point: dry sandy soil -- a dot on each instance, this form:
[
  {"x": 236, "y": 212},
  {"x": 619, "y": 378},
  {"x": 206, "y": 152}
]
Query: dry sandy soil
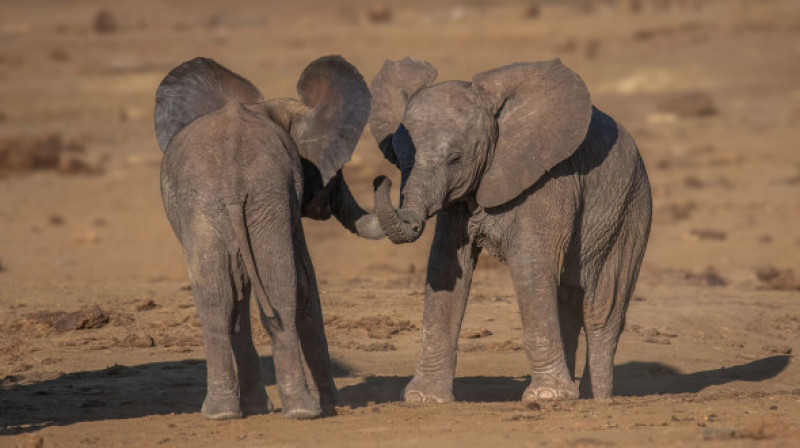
[{"x": 710, "y": 89}]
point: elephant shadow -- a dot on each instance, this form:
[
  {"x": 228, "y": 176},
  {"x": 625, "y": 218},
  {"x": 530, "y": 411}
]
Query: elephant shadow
[
  {"x": 630, "y": 379},
  {"x": 29, "y": 402},
  {"x": 178, "y": 387}
]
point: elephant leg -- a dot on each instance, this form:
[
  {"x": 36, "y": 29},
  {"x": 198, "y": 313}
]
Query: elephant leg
[
  {"x": 537, "y": 292},
  {"x": 604, "y": 313},
  {"x": 213, "y": 291},
  {"x": 450, "y": 266},
  {"x": 254, "y": 399},
  {"x": 312, "y": 331},
  {"x": 570, "y": 313},
  {"x": 273, "y": 250}
]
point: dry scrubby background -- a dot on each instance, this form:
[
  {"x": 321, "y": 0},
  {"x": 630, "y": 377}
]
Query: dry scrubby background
[{"x": 99, "y": 340}]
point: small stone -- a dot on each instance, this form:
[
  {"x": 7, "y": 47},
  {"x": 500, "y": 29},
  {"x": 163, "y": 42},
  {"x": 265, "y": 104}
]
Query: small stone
[
  {"x": 666, "y": 332},
  {"x": 779, "y": 349},
  {"x": 781, "y": 280},
  {"x": 75, "y": 165},
  {"x": 105, "y": 22},
  {"x": 59, "y": 55},
  {"x": 533, "y": 11},
  {"x": 709, "y": 277},
  {"x": 631, "y": 6},
  {"x": 709, "y": 234},
  {"x": 690, "y": 104},
  {"x": 86, "y": 236},
  {"x": 718, "y": 433},
  {"x": 145, "y": 305},
  {"x": 86, "y": 318},
  {"x": 657, "y": 340},
  {"x": 138, "y": 340},
  {"x": 56, "y": 220},
  {"x": 475, "y": 333},
  {"x": 693, "y": 182},
  {"x": 592, "y": 48},
  {"x": 380, "y": 14}
]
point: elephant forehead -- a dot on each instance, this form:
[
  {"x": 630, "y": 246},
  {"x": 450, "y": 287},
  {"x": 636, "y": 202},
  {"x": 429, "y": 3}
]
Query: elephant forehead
[{"x": 450, "y": 102}]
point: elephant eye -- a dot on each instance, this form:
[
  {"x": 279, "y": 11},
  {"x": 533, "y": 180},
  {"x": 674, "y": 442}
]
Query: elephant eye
[{"x": 455, "y": 160}]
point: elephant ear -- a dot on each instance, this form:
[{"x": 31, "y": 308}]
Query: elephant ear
[
  {"x": 193, "y": 89},
  {"x": 543, "y": 111},
  {"x": 329, "y": 118},
  {"x": 395, "y": 83}
]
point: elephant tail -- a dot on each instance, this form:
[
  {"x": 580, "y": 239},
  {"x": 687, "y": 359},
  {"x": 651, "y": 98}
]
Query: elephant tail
[
  {"x": 236, "y": 214},
  {"x": 193, "y": 89}
]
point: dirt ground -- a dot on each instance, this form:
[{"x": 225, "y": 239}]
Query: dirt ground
[{"x": 100, "y": 343}]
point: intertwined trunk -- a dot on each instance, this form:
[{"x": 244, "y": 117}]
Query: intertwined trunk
[
  {"x": 350, "y": 214},
  {"x": 401, "y": 225}
]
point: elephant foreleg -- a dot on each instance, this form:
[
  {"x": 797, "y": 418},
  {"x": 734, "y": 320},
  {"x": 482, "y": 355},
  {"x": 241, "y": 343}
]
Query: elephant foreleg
[
  {"x": 534, "y": 277},
  {"x": 450, "y": 266}
]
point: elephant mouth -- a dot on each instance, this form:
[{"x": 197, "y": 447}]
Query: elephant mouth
[{"x": 400, "y": 225}]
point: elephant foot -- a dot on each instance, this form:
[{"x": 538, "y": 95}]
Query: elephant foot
[
  {"x": 257, "y": 403},
  {"x": 300, "y": 406},
  {"x": 427, "y": 392},
  {"x": 221, "y": 408},
  {"x": 329, "y": 399},
  {"x": 549, "y": 388}
]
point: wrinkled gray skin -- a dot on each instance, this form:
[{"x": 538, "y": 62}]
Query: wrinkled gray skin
[
  {"x": 237, "y": 175},
  {"x": 517, "y": 162}
]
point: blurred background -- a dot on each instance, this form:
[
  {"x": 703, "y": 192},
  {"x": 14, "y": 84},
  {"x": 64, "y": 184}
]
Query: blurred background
[{"x": 710, "y": 89}]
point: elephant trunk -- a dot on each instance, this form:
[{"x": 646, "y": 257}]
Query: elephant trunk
[
  {"x": 350, "y": 214},
  {"x": 401, "y": 226}
]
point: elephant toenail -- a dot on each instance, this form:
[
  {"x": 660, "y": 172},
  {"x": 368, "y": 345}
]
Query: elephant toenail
[{"x": 546, "y": 394}]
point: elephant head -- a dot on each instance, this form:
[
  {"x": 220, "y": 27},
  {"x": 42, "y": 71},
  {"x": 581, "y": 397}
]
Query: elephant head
[
  {"x": 490, "y": 139},
  {"x": 325, "y": 125}
]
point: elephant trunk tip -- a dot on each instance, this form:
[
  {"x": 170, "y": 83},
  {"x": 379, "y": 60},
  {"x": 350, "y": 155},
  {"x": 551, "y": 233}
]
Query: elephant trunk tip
[
  {"x": 381, "y": 182},
  {"x": 399, "y": 225}
]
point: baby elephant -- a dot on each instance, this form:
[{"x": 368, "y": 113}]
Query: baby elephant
[
  {"x": 238, "y": 173},
  {"x": 517, "y": 162}
]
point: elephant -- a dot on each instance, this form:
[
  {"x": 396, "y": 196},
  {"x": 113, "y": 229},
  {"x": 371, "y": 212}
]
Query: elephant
[
  {"x": 237, "y": 175},
  {"x": 518, "y": 162}
]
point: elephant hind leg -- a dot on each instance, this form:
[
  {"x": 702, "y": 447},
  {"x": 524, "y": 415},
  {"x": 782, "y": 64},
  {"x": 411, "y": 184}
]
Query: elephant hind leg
[
  {"x": 254, "y": 399},
  {"x": 214, "y": 294},
  {"x": 604, "y": 313},
  {"x": 311, "y": 329},
  {"x": 272, "y": 244},
  {"x": 570, "y": 313}
]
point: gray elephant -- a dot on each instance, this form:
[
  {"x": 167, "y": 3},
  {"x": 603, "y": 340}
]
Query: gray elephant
[
  {"x": 517, "y": 162},
  {"x": 237, "y": 175}
]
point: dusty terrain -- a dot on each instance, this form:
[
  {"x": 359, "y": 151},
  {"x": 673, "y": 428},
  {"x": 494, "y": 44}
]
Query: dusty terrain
[{"x": 710, "y": 90}]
